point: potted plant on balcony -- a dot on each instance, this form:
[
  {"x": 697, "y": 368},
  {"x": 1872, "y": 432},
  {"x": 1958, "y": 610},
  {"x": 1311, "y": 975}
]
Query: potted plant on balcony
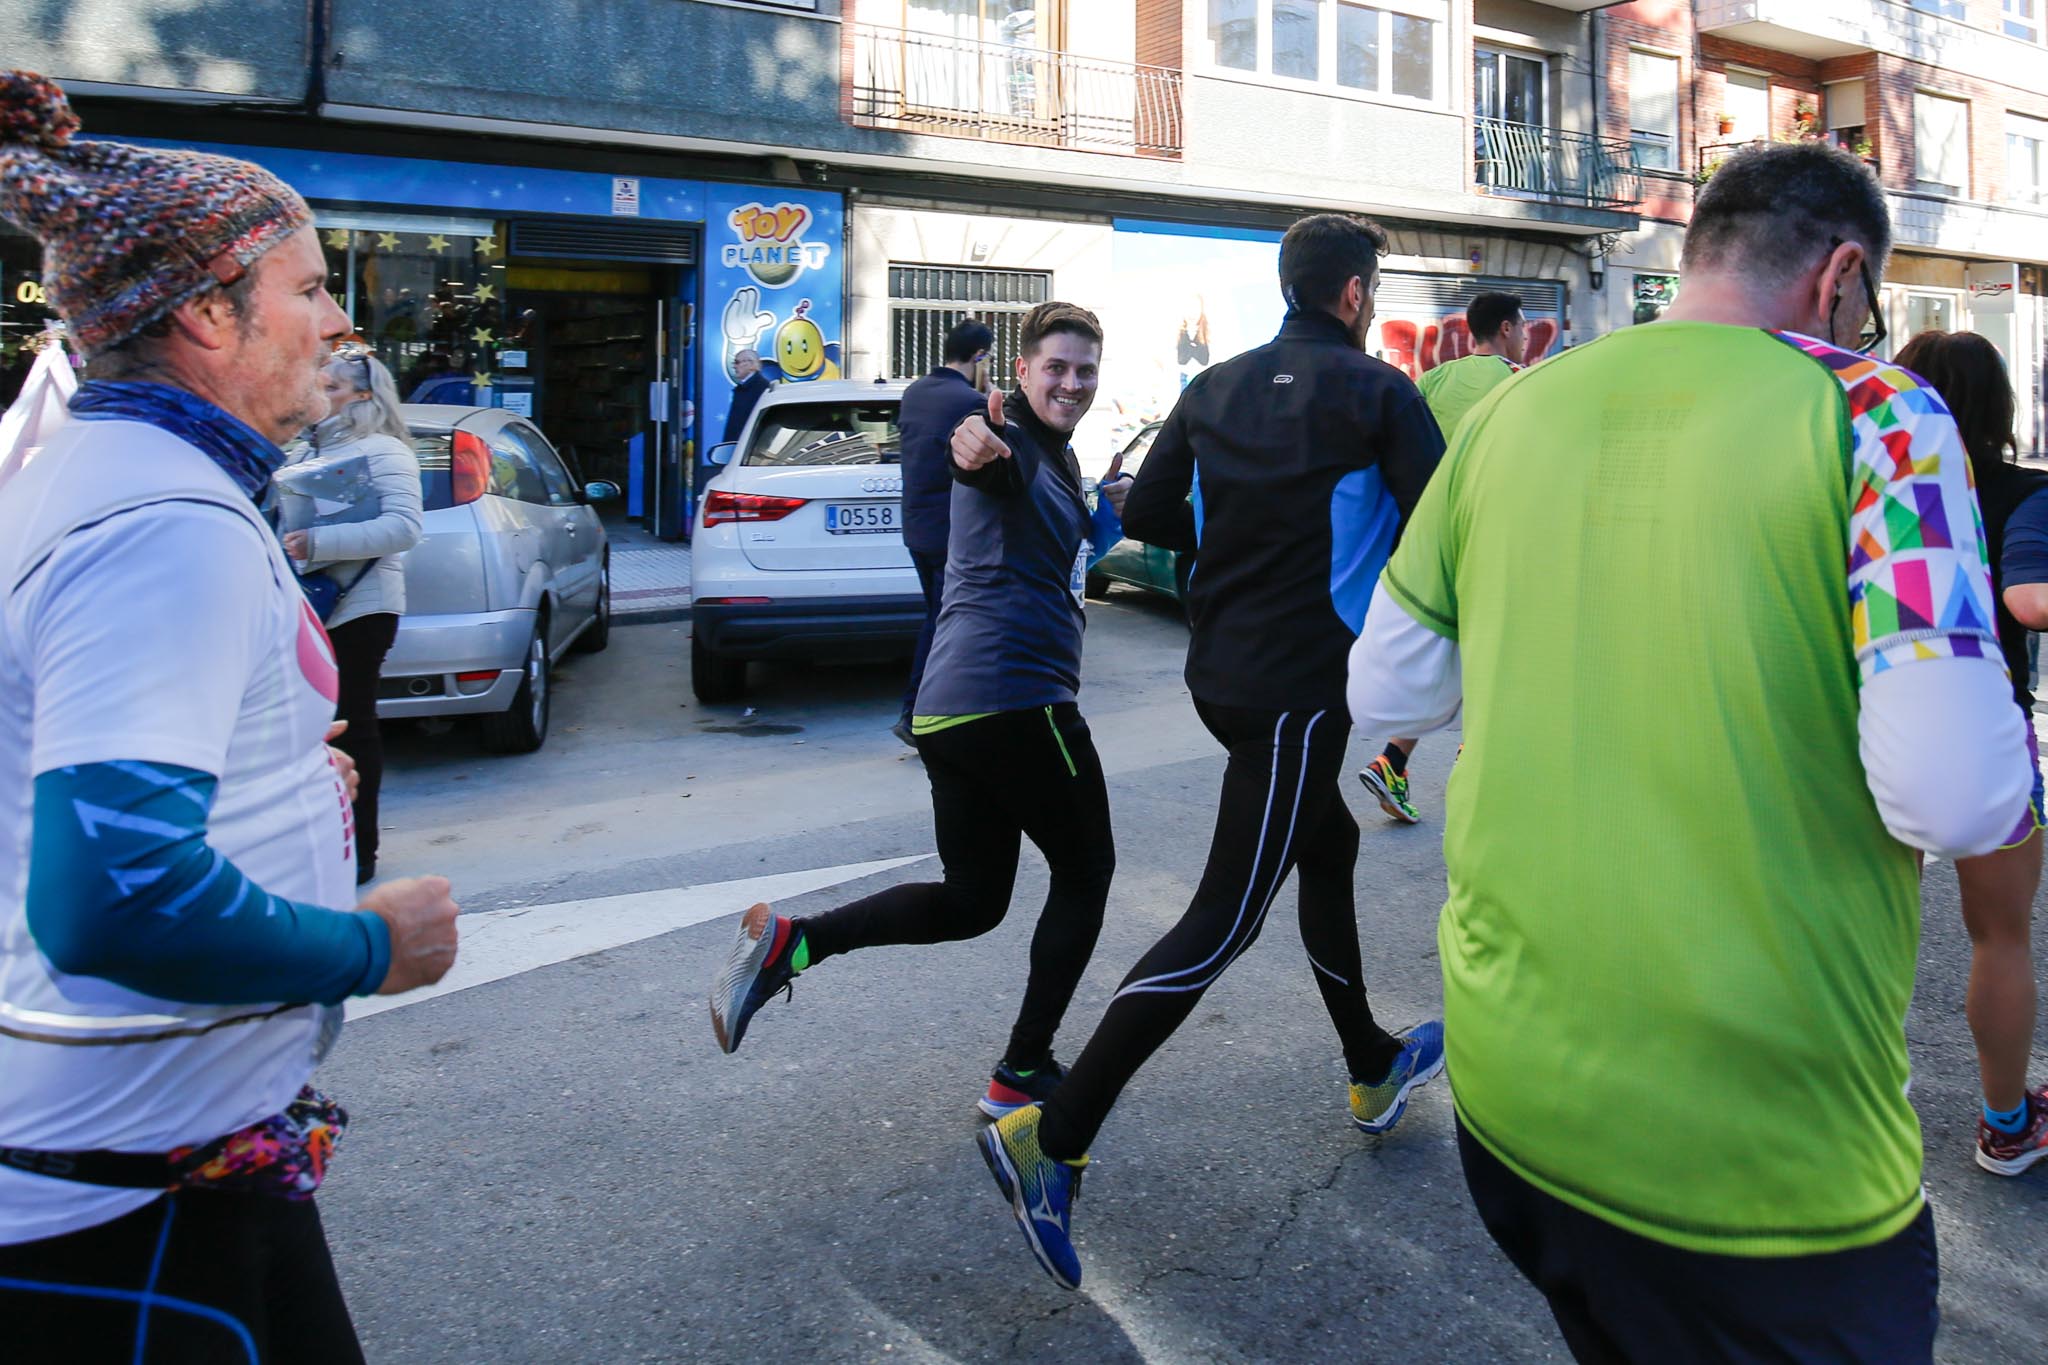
[
  {"x": 1804, "y": 114},
  {"x": 1726, "y": 122}
]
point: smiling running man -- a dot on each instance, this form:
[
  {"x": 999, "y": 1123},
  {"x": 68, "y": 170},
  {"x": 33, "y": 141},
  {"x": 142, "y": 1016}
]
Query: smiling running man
[{"x": 1002, "y": 740}]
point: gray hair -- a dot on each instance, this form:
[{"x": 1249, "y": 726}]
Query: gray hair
[
  {"x": 1771, "y": 211},
  {"x": 376, "y": 415}
]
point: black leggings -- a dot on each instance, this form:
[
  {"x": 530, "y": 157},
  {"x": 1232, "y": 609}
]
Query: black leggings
[
  {"x": 359, "y": 649},
  {"x": 1281, "y": 809},
  {"x": 995, "y": 781},
  {"x": 202, "y": 1277}
]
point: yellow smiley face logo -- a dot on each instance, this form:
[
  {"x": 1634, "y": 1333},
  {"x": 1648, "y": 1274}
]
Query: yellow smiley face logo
[{"x": 800, "y": 348}]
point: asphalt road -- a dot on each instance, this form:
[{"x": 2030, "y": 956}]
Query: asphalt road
[{"x": 560, "y": 1166}]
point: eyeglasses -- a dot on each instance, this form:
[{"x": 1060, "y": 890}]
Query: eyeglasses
[{"x": 1874, "y": 331}]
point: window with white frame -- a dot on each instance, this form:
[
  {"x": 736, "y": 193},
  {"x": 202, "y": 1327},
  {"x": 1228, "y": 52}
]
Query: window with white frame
[
  {"x": 1393, "y": 48},
  {"x": 1234, "y": 34},
  {"x": 2026, "y": 160},
  {"x": 2023, "y": 19},
  {"x": 1653, "y": 109},
  {"x": 1747, "y": 101},
  {"x": 1947, "y": 9},
  {"x": 1510, "y": 87},
  {"x": 1941, "y": 143}
]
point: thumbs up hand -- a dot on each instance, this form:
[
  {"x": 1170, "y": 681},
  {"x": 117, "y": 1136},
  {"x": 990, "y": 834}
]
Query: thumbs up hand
[
  {"x": 975, "y": 442},
  {"x": 1116, "y": 485}
]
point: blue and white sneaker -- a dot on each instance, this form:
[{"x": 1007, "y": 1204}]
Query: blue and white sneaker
[
  {"x": 758, "y": 967},
  {"x": 1041, "y": 1190},
  {"x": 1377, "y": 1108}
]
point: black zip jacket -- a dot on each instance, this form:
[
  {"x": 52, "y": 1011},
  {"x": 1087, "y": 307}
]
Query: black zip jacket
[{"x": 1290, "y": 470}]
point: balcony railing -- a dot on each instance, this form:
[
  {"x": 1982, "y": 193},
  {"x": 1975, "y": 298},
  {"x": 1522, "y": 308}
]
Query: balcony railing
[
  {"x": 1544, "y": 163},
  {"x": 929, "y": 83}
]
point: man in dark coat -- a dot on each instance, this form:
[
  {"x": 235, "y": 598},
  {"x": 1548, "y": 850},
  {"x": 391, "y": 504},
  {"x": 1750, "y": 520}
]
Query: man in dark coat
[{"x": 932, "y": 407}]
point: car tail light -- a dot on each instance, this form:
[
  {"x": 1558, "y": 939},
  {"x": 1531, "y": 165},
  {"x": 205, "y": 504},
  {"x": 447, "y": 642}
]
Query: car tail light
[
  {"x": 486, "y": 675},
  {"x": 469, "y": 461},
  {"x": 721, "y": 506}
]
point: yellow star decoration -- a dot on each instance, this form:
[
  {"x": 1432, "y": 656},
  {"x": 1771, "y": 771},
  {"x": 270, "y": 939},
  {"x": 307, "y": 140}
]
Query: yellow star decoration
[
  {"x": 482, "y": 336},
  {"x": 485, "y": 293},
  {"x": 338, "y": 238},
  {"x": 387, "y": 241},
  {"x": 437, "y": 244},
  {"x": 487, "y": 246},
  {"x": 482, "y": 379}
]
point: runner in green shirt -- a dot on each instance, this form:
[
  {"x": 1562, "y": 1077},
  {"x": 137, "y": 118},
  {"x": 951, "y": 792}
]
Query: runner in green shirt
[
  {"x": 1499, "y": 335},
  {"x": 1716, "y": 588}
]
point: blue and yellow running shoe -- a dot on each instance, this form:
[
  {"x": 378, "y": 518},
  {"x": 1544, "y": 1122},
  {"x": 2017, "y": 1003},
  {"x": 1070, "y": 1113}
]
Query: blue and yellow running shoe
[
  {"x": 1390, "y": 789},
  {"x": 1010, "y": 1089},
  {"x": 1041, "y": 1191},
  {"x": 1377, "y": 1108},
  {"x": 759, "y": 965}
]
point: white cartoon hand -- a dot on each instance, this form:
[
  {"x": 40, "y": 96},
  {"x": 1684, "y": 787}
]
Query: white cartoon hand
[{"x": 745, "y": 320}]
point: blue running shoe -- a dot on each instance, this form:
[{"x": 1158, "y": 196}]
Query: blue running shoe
[
  {"x": 1041, "y": 1191},
  {"x": 758, "y": 966},
  {"x": 1377, "y": 1108},
  {"x": 1010, "y": 1089}
]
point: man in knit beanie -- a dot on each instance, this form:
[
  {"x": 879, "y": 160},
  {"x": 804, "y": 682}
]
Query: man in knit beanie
[{"x": 176, "y": 867}]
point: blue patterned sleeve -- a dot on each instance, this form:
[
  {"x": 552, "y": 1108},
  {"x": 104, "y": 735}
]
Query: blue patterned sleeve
[{"x": 123, "y": 886}]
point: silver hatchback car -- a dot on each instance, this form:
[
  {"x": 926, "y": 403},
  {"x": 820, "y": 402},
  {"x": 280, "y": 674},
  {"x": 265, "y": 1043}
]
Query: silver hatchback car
[{"x": 511, "y": 572}]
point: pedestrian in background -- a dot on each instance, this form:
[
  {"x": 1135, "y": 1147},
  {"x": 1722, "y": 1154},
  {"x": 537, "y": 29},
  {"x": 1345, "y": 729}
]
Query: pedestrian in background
[
  {"x": 1499, "y": 336},
  {"x": 1998, "y": 889},
  {"x": 1676, "y": 982},
  {"x": 746, "y": 365},
  {"x": 176, "y": 864},
  {"x": 363, "y": 441},
  {"x": 932, "y": 407}
]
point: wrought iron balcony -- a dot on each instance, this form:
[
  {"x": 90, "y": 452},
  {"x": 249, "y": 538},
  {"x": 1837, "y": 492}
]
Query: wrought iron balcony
[
  {"x": 1544, "y": 163},
  {"x": 1000, "y": 92}
]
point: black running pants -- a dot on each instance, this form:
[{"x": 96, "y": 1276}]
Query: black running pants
[
  {"x": 995, "y": 782},
  {"x": 1281, "y": 809},
  {"x": 199, "y": 1277}
]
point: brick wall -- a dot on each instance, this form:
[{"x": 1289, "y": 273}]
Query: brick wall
[
  {"x": 1159, "y": 34},
  {"x": 1889, "y": 86}
]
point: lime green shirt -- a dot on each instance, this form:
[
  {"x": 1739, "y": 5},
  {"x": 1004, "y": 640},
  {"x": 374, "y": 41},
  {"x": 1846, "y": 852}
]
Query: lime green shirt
[
  {"x": 1679, "y": 943},
  {"x": 1454, "y": 387}
]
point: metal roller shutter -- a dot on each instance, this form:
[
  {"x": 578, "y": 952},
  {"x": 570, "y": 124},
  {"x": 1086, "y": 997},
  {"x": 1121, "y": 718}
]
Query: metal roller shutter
[{"x": 1407, "y": 293}]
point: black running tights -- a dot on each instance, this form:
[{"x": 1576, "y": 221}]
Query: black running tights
[
  {"x": 996, "y": 781},
  {"x": 199, "y": 1277},
  {"x": 1281, "y": 809}
]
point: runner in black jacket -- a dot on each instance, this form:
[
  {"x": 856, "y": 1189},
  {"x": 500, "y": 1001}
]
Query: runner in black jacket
[{"x": 1289, "y": 470}]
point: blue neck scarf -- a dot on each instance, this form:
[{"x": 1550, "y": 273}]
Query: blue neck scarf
[{"x": 243, "y": 453}]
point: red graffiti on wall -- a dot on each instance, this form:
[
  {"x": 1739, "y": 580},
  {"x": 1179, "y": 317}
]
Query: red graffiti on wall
[{"x": 1416, "y": 348}]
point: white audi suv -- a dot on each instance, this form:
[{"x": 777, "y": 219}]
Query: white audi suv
[{"x": 798, "y": 547}]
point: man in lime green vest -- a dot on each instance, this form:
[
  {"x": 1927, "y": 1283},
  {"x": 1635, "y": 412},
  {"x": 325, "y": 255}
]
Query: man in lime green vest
[
  {"x": 1713, "y": 598},
  {"x": 1499, "y": 336}
]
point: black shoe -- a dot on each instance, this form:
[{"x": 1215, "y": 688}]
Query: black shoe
[{"x": 901, "y": 729}]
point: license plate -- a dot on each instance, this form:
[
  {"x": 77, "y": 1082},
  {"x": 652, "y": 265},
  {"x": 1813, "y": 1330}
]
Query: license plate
[{"x": 862, "y": 518}]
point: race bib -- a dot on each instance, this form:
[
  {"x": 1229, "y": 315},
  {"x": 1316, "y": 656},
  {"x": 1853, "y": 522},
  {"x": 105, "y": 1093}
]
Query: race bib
[{"x": 1079, "y": 585}]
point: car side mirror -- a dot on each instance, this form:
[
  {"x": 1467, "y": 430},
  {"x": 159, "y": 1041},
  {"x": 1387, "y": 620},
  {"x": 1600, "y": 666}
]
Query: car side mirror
[
  {"x": 600, "y": 490},
  {"x": 722, "y": 454}
]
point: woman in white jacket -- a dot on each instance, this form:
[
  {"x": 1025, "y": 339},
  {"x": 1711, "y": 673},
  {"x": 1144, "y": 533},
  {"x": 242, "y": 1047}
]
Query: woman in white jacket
[{"x": 366, "y": 557}]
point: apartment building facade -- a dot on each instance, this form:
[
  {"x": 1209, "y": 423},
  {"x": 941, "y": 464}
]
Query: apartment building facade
[
  {"x": 1946, "y": 99},
  {"x": 584, "y": 211}
]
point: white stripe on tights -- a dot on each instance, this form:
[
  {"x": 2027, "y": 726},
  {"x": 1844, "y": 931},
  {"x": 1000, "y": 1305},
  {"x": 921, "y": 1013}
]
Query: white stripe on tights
[{"x": 1164, "y": 982}]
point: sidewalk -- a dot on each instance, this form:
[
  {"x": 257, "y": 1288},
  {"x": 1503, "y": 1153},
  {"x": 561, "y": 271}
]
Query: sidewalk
[{"x": 648, "y": 575}]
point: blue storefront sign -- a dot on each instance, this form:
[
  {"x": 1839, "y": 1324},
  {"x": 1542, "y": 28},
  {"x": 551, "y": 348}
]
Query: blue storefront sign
[{"x": 770, "y": 278}]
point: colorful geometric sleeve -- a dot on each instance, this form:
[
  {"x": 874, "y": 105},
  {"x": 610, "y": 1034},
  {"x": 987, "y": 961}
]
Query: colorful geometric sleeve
[{"x": 1919, "y": 566}]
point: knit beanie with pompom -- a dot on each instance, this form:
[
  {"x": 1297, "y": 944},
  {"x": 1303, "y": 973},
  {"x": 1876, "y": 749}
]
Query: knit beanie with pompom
[{"x": 129, "y": 233}]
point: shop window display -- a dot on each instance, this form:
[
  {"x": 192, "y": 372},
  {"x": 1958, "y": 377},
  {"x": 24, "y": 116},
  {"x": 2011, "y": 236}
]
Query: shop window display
[
  {"x": 431, "y": 304},
  {"x": 23, "y": 311}
]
